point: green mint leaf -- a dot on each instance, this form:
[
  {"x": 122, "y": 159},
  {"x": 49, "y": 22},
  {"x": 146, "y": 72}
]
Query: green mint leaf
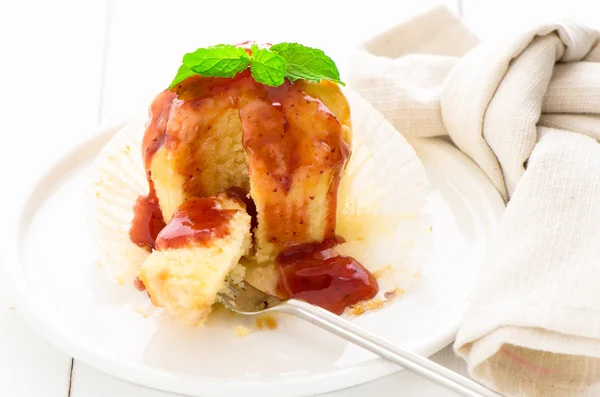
[
  {"x": 218, "y": 61},
  {"x": 183, "y": 73},
  {"x": 267, "y": 67},
  {"x": 307, "y": 63}
]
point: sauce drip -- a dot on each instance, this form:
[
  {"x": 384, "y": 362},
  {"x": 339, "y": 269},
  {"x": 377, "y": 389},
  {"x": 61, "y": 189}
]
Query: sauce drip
[
  {"x": 242, "y": 196},
  {"x": 154, "y": 137},
  {"x": 147, "y": 220},
  {"x": 139, "y": 284},
  {"x": 316, "y": 273},
  {"x": 197, "y": 220}
]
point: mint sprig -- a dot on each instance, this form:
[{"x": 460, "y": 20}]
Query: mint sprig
[
  {"x": 218, "y": 61},
  {"x": 307, "y": 63},
  {"x": 183, "y": 73},
  {"x": 269, "y": 66}
]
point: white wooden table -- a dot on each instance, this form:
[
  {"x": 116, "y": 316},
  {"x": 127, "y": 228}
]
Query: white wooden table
[{"x": 67, "y": 66}]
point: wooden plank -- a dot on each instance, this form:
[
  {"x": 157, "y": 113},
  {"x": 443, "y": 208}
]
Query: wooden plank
[
  {"x": 88, "y": 382},
  {"x": 51, "y": 73},
  {"x": 403, "y": 383},
  {"x": 29, "y": 365}
]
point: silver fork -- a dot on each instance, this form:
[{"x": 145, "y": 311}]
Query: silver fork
[{"x": 243, "y": 298}]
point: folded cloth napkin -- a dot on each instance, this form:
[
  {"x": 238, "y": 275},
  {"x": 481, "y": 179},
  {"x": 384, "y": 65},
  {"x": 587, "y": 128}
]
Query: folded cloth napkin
[{"x": 526, "y": 108}]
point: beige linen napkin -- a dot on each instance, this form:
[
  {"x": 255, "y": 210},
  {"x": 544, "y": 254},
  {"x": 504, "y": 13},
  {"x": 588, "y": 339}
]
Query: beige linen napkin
[{"x": 526, "y": 109}]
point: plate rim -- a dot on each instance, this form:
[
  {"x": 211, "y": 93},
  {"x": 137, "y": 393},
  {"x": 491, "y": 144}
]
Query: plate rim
[{"x": 315, "y": 383}]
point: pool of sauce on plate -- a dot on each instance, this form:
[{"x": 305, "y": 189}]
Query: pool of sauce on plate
[
  {"x": 315, "y": 273},
  {"x": 198, "y": 220},
  {"x": 281, "y": 145}
]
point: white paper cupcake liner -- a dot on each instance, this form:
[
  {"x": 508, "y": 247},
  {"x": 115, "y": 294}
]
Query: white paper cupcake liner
[
  {"x": 117, "y": 179},
  {"x": 379, "y": 202}
]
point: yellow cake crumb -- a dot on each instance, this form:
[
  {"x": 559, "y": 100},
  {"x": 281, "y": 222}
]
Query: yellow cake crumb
[
  {"x": 266, "y": 322},
  {"x": 379, "y": 273},
  {"x": 143, "y": 313},
  {"x": 242, "y": 331},
  {"x": 186, "y": 280},
  {"x": 393, "y": 293},
  {"x": 362, "y": 307}
]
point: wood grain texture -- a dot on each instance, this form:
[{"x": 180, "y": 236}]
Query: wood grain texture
[
  {"x": 25, "y": 356},
  {"x": 51, "y": 68},
  {"x": 91, "y": 383}
]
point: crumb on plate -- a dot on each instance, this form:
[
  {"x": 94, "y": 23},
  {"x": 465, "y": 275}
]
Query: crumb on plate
[
  {"x": 393, "y": 293},
  {"x": 362, "y": 307},
  {"x": 381, "y": 272},
  {"x": 242, "y": 331},
  {"x": 263, "y": 322},
  {"x": 142, "y": 312}
]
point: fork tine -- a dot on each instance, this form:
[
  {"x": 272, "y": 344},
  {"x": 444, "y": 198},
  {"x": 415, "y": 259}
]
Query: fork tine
[
  {"x": 226, "y": 300},
  {"x": 249, "y": 288},
  {"x": 244, "y": 298},
  {"x": 233, "y": 288}
]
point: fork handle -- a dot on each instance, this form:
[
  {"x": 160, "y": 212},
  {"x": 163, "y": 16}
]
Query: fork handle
[{"x": 365, "y": 339}]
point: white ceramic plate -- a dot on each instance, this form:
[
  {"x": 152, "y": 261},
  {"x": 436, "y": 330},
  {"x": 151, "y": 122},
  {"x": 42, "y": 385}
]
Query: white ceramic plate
[{"x": 67, "y": 299}]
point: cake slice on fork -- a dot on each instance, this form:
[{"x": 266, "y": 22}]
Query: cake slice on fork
[{"x": 195, "y": 253}]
